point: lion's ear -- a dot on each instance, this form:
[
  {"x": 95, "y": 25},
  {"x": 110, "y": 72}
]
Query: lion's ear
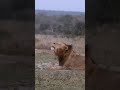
[{"x": 68, "y": 47}]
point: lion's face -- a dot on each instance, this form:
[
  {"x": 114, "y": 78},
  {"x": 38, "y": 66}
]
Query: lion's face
[{"x": 60, "y": 48}]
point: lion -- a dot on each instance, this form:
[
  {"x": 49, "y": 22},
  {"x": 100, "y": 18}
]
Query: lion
[{"x": 67, "y": 57}]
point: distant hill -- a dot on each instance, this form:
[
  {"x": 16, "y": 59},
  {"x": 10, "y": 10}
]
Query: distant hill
[{"x": 59, "y": 13}]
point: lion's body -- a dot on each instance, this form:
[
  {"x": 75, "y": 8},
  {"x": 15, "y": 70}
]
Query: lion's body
[
  {"x": 74, "y": 61},
  {"x": 68, "y": 59}
]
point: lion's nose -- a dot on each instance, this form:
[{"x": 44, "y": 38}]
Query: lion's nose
[{"x": 52, "y": 44}]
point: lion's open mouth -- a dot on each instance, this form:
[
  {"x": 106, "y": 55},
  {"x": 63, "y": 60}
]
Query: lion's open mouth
[{"x": 52, "y": 48}]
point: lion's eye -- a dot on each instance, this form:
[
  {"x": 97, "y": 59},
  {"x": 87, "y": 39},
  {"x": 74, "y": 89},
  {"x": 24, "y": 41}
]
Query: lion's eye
[{"x": 53, "y": 43}]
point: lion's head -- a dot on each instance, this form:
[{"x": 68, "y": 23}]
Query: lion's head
[
  {"x": 68, "y": 59},
  {"x": 60, "y": 49}
]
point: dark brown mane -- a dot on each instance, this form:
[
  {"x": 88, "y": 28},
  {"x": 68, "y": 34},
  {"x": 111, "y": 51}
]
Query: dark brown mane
[{"x": 64, "y": 57}]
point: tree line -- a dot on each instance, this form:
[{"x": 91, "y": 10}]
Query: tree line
[{"x": 64, "y": 24}]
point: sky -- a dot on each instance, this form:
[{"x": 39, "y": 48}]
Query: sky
[{"x": 64, "y": 5}]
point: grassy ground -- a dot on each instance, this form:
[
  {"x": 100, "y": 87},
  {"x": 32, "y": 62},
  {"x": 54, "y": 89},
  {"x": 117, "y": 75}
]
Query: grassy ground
[{"x": 58, "y": 79}]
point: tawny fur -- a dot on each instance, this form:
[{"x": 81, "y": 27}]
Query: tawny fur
[{"x": 68, "y": 59}]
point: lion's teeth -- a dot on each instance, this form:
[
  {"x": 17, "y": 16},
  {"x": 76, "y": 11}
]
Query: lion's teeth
[{"x": 52, "y": 48}]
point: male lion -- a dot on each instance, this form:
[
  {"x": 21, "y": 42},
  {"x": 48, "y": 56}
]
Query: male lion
[{"x": 68, "y": 59}]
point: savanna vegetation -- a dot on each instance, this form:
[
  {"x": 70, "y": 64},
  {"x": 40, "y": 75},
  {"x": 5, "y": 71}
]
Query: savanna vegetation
[
  {"x": 58, "y": 26},
  {"x": 66, "y": 24}
]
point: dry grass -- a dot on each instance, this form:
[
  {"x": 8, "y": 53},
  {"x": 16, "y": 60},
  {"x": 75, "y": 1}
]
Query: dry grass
[
  {"x": 45, "y": 41},
  {"x": 60, "y": 80},
  {"x": 44, "y": 57}
]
